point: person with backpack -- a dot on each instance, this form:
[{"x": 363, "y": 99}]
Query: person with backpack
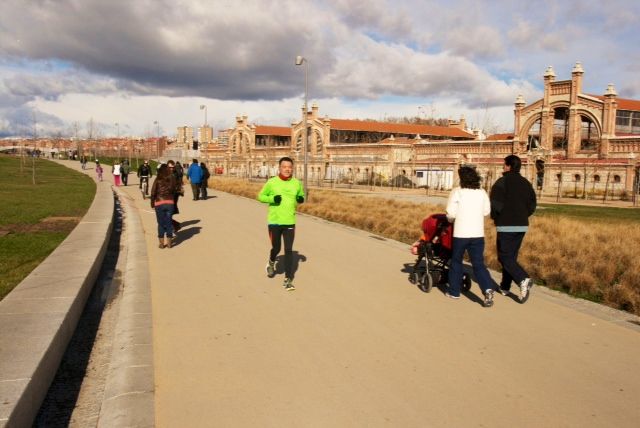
[{"x": 125, "y": 169}]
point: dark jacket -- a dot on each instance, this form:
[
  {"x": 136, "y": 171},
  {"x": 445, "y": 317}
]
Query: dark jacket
[
  {"x": 163, "y": 190},
  {"x": 144, "y": 171},
  {"x": 513, "y": 200}
]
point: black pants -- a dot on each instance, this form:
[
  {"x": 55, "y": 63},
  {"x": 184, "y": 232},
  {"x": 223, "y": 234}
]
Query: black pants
[
  {"x": 508, "y": 247},
  {"x": 277, "y": 233},
  {"x": 195, "y": 188},
  {"x": 203, "y": 189},
  {"x": 125, "y": 178}
]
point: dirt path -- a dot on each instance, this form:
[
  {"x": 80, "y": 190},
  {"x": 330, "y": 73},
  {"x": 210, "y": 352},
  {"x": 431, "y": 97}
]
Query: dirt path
[{"x": 356, "y": 344}]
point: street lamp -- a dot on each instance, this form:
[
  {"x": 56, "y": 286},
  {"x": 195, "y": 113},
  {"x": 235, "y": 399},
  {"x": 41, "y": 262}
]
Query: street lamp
[
  {"x": 299, "y": 61},
  {"x": 204, "y": 107},
  {"x": 157, "y": 123}
]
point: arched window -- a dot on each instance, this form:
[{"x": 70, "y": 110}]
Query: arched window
[
  {"x": 616, "y": 179},
  {"x": 560, "y": 127},
  {"x": 559, "y": 177},
  {"x": 596, "y": 178},
  {"x": 577, "y": 177},
  {"x": 533, "y": 139},
  {"x": 589, "y": 136}
]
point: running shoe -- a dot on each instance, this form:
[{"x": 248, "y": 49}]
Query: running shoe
[
  {"x": 488, "y": 298},
  {"x": 271, "y": 269},
  {"x": 525, "y": 289},
  {"x": 288, "y": 284},
  {"x": 451, "y": 296}
]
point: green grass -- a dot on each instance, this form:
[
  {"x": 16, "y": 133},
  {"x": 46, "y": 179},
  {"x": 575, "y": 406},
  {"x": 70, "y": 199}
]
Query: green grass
[
  {"x": 58, "y": 192},
  {"x": 590, "y": 213}
]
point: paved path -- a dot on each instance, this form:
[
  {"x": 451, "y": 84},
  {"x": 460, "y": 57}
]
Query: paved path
[{"x": 356, "y": 344}]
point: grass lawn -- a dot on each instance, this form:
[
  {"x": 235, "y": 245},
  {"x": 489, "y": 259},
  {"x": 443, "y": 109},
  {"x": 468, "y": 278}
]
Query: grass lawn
[
  {"x": 590, "y": 213},
  {"x": 35, "y": 219}
]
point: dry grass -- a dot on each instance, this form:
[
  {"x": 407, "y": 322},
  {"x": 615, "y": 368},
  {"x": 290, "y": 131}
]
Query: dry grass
[{"x": 599, "y": 263}]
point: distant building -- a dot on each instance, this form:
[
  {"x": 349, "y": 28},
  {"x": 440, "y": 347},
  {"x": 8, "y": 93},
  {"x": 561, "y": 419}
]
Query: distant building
[
  {"x": 185, "y": 137},
  {"x": 205, "y": 134}
]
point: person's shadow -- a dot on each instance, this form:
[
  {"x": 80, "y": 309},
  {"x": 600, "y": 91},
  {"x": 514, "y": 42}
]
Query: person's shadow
[
  {"x": 441, "y": 283},
  {"x": 186, "y": 234},
  {"x": 297, "y": 259}
]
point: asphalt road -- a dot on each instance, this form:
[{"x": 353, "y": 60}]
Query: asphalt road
[{"x": 356, "y": 344}]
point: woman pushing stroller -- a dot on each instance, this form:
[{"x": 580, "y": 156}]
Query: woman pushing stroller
[{"x": 467, "y": 206}]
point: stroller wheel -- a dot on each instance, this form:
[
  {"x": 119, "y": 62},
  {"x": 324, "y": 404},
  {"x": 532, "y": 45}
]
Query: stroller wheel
[
  {"x": 425, "y": 282},
  {"x": 466, "y": 282}
]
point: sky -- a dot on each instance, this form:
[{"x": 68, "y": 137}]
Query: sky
[{"x": 136, "y": 68}]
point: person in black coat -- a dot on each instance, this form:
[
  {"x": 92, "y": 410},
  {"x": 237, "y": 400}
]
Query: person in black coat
[{"x": 513, "y": 201}]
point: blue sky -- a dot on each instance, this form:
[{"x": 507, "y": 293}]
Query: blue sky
[{"x": 66, "y": 62}]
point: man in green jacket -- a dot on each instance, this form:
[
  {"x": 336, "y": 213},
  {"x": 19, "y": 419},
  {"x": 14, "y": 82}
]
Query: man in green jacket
[{"x": 283, "y": 193}]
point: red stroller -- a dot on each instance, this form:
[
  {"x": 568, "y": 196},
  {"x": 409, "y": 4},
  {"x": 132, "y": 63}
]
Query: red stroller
[{"x": 434, "y": 253}]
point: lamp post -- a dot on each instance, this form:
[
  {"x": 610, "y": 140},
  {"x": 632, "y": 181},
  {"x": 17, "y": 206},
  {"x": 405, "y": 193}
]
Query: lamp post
[
  {"x": 157, "y": 123},
  {"x": 205, "y": 135},
  {"x": 204, "y": 107},
  {"x": 299, "y": 61}
]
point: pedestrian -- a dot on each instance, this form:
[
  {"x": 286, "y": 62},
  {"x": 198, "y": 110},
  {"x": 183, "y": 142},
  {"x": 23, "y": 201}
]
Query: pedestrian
[
  {"x": 83, "y": 162},
  {"x": 125, "y": 169},
  {"x": 466, "y": 208},
  {"x": 144, "y": 174},
  {"x": 513, "y": 201},
  {"x": 177, "y": 175},
  {"x": 204, "y": 185},
  {"x": 162, "y": 200},
  {"x": 283, "y": 193},
  {"x": 99, "y": 170},
  {"x": 195, "y": 178},
  {"x": 116, "y": 171},
  {"x": 179, "y": 172}
]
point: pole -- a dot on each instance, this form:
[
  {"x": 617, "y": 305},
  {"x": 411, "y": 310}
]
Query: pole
[{"x": 306, "y": 129}]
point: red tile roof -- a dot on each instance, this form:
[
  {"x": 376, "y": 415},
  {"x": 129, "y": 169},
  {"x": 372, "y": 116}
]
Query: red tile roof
[
  {"x": 281, "y": 131},
  {"x": 496, "y": 137},
  {"x": 623, "y": 104},
  {"x": 398, "y": 128}
]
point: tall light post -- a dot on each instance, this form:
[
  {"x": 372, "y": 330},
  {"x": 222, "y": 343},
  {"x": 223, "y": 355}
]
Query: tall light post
[
  {"x": 205, "y": 134},
  {"x": 299, "y": 61},
  {"x": 157, "y": 123}
]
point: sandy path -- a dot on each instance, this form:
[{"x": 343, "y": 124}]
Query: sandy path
[{"x": 356, "y": 344}]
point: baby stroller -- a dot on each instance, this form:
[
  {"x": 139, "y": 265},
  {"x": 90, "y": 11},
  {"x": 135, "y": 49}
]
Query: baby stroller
[{"x": 434, "y": 253}]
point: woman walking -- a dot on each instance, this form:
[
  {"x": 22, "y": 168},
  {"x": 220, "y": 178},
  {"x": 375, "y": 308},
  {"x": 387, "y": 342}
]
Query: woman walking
[
  {"x": 116, "y": 171},
  {"x": 162, "y": 199},
  {"x": 467, "y": 206}
]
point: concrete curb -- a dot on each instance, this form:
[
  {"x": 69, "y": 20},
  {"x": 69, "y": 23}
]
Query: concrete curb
[
  {"x": 129, "y": 390},
  {"x": 39, "y": 317}
]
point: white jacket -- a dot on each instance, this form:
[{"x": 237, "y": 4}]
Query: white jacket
[{"x": 467, "y": 208}]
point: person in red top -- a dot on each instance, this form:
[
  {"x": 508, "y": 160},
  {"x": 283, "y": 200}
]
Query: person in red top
[{"x": 162, "y": 199}]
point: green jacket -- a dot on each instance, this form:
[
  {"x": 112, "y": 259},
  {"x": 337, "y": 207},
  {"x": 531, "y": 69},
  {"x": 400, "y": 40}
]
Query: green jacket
[{"x": 285, "y": 212}]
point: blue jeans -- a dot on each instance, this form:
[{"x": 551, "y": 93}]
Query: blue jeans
[
  {"x": 163, "y": 215},
  {"x": 475, "y": 248}
]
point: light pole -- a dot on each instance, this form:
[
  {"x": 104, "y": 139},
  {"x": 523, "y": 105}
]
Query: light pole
[
  {"x": 205, "y": 134},
  {"x": 299, "y": 61},
  {"x": 204, "y": 107},
  {"x": 157, "y": 123}
]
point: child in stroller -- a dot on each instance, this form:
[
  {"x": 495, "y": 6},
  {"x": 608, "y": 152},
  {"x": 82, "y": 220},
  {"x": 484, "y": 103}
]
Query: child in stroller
[{"x": 433, "y": 250}]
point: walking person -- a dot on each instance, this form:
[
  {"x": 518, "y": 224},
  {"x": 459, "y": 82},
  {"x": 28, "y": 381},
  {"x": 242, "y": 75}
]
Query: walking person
[
  {"x": 204, "y": 185},
  {"x": 513, "y": 201},
  {"x": 194, "y": 173},
  {"x": 466, "y": 207},
  {"x": 125, "y": 169},
  {"x": 162, "y": 200},
  {"x": 283, "y": 193},
  {"x": 99, "y": 170},
  {"x": 177, "y": 175},
  {"x": 116, "y": 171}
]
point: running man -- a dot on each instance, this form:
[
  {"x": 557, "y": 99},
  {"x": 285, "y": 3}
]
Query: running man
[{"x": 283, "y": 193}]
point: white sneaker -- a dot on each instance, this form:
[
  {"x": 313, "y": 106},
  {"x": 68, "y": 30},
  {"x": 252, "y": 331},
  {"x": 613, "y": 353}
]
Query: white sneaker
[{"x": 525, "y": 287}]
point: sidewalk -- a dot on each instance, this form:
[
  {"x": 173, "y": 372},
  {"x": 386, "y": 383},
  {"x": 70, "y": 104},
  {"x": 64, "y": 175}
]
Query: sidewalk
[{"x": 356, "y": 344}]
